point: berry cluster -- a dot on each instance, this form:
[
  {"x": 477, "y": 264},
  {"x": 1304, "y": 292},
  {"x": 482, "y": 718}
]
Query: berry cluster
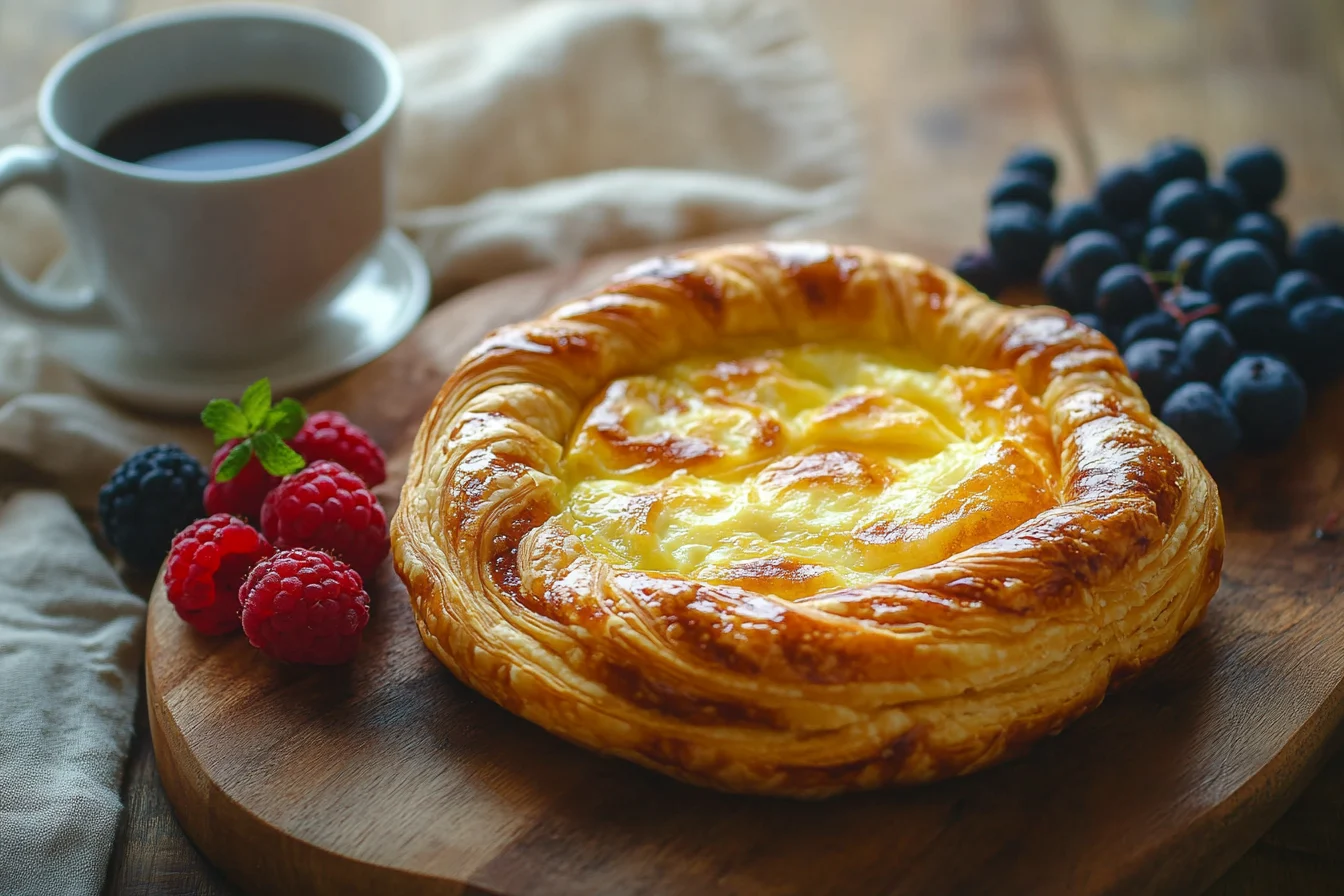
[
  {"x": 296, "y": 585},
  {"x": 1224, "y": 320}
]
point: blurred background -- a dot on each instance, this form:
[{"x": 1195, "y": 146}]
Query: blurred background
[{"x": 943, "y": 88}]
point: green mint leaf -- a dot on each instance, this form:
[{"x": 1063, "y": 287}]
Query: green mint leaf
[
  {"x": 256, "y": 402},
  {"x": 226, "y": 420},
  {"x": 234, "y": 463},
  {"x": 276, "y": 457},
  {"x": 285, "y": 419}
]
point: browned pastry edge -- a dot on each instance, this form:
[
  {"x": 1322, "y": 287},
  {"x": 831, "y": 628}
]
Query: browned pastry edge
[{"x": 932, "y": 672}]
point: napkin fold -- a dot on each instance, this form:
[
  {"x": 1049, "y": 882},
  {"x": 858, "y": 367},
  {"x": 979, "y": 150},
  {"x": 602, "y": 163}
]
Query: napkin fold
[
  {"x": 70, "y": 644},
  {"x": 568, "y": 129}
]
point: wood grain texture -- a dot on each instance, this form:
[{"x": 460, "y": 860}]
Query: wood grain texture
[{"x": 390, "y": 774}]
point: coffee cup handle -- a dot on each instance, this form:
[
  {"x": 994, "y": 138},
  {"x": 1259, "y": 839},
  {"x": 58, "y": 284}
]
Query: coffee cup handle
[{"x": 38, "y": 167}]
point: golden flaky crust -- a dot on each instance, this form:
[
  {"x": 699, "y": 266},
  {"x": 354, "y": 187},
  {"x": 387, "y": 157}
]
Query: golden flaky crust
[{"x": 926, "y": 673}]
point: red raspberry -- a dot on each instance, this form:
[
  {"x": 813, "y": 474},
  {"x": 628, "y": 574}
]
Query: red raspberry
[
  {"x": 329, "y": 435},
  {"x": 304, "y": 606},
  {"x": 242, "y": 495},
  {"x": 326, "y": 507},
  {"x": 206, "y": 566}
]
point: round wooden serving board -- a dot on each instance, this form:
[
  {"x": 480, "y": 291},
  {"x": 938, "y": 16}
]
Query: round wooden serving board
[{"x": 389, "y": 776}]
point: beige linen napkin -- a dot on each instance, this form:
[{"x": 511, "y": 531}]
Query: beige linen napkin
[{"x": 568, "y": 129}]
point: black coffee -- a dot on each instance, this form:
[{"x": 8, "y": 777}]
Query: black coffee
[{"x": 216, "y": 132}]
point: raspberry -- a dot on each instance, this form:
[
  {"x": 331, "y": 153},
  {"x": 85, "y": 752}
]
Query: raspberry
[
  {"x": 328, "y": 435},
  {"x": 154, "y": 493},
  {"x": 304, "y": 606},
  {"x": 207, "y": 565},
  {"x": 326, "y": 507},
  {"x": 242, "y": 495}
]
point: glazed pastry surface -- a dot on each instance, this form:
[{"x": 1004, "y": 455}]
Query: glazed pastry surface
[{"x": 800, "y": 519}]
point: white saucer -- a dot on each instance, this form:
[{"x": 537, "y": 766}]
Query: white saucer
[{"x": 374, "y": 313}]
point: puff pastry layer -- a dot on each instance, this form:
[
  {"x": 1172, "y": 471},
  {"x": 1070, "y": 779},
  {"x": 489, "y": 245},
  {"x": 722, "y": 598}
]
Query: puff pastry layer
[{"x": 800, "y": 519}]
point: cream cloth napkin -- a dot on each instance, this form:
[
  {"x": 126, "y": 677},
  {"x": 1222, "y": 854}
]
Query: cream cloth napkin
[{"x": 569, "y": 129}]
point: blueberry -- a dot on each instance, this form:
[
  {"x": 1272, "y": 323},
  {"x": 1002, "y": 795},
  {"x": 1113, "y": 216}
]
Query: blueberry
[
  {"x": 1055, "y": 283},
  {"x": 1200, "y": 416},
  {"x": 1088, "y": 319},
  {"x": 1158, "y": 246},
  {"x": 1318, "y": 328},
  {"x": 153, "y": 495},
  {"x": 1154, "y": 364},
  {"x": 1153, "y": 325},
  {"x": 1132, "y": 234},
  {"x": 1086, "y": 257},
  {"x": 1298, "y": 286},
  {"x": 1021, "y": 186},
  {"x": 1173, "y": 159},
  {"x": 1019, "y": 239},
  {"x": 1268, "y": 398},
  {"x": 1036, "y": 160},
  {"x": 1259, "y": 323},
  {"x": 1072, "y": 218},
  {"x": 1228, "y": 203},
  {"x": 1266, "y": 229},
  {"x": 1239, "y": 267},
  {"x": 1191, "y": 303},
  {"x": 1124, "y": 192},
  {"x": 1207, "y": 350},
  {"x": 1259, "y": 171},
  {"x": 1123, "y": 293},
  {"x": 1186, "y": 205},
  {"x": 978, "y": 268},
  {"x": 1189, "y": 259},
  {"x": 1320, "y": 249}
]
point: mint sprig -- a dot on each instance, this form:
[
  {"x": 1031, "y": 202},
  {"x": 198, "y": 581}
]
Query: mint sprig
[{"x": 261, "y": 428}]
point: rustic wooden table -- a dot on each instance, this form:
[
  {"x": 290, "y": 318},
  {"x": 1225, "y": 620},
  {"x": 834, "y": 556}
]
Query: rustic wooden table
[{"x": 943, "y": 88}]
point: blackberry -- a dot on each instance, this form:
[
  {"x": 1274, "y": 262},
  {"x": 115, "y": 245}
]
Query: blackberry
[{"x": 150, "y": 497}]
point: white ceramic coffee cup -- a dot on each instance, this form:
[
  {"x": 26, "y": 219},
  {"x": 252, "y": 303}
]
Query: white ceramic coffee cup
[{"x": 210, "y": 267}]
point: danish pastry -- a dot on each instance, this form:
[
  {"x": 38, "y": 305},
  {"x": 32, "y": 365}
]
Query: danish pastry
[{"x": 798, "y": 519}]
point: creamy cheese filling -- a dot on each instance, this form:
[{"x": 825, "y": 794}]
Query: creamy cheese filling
[{"x": 797, "y": 470}]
